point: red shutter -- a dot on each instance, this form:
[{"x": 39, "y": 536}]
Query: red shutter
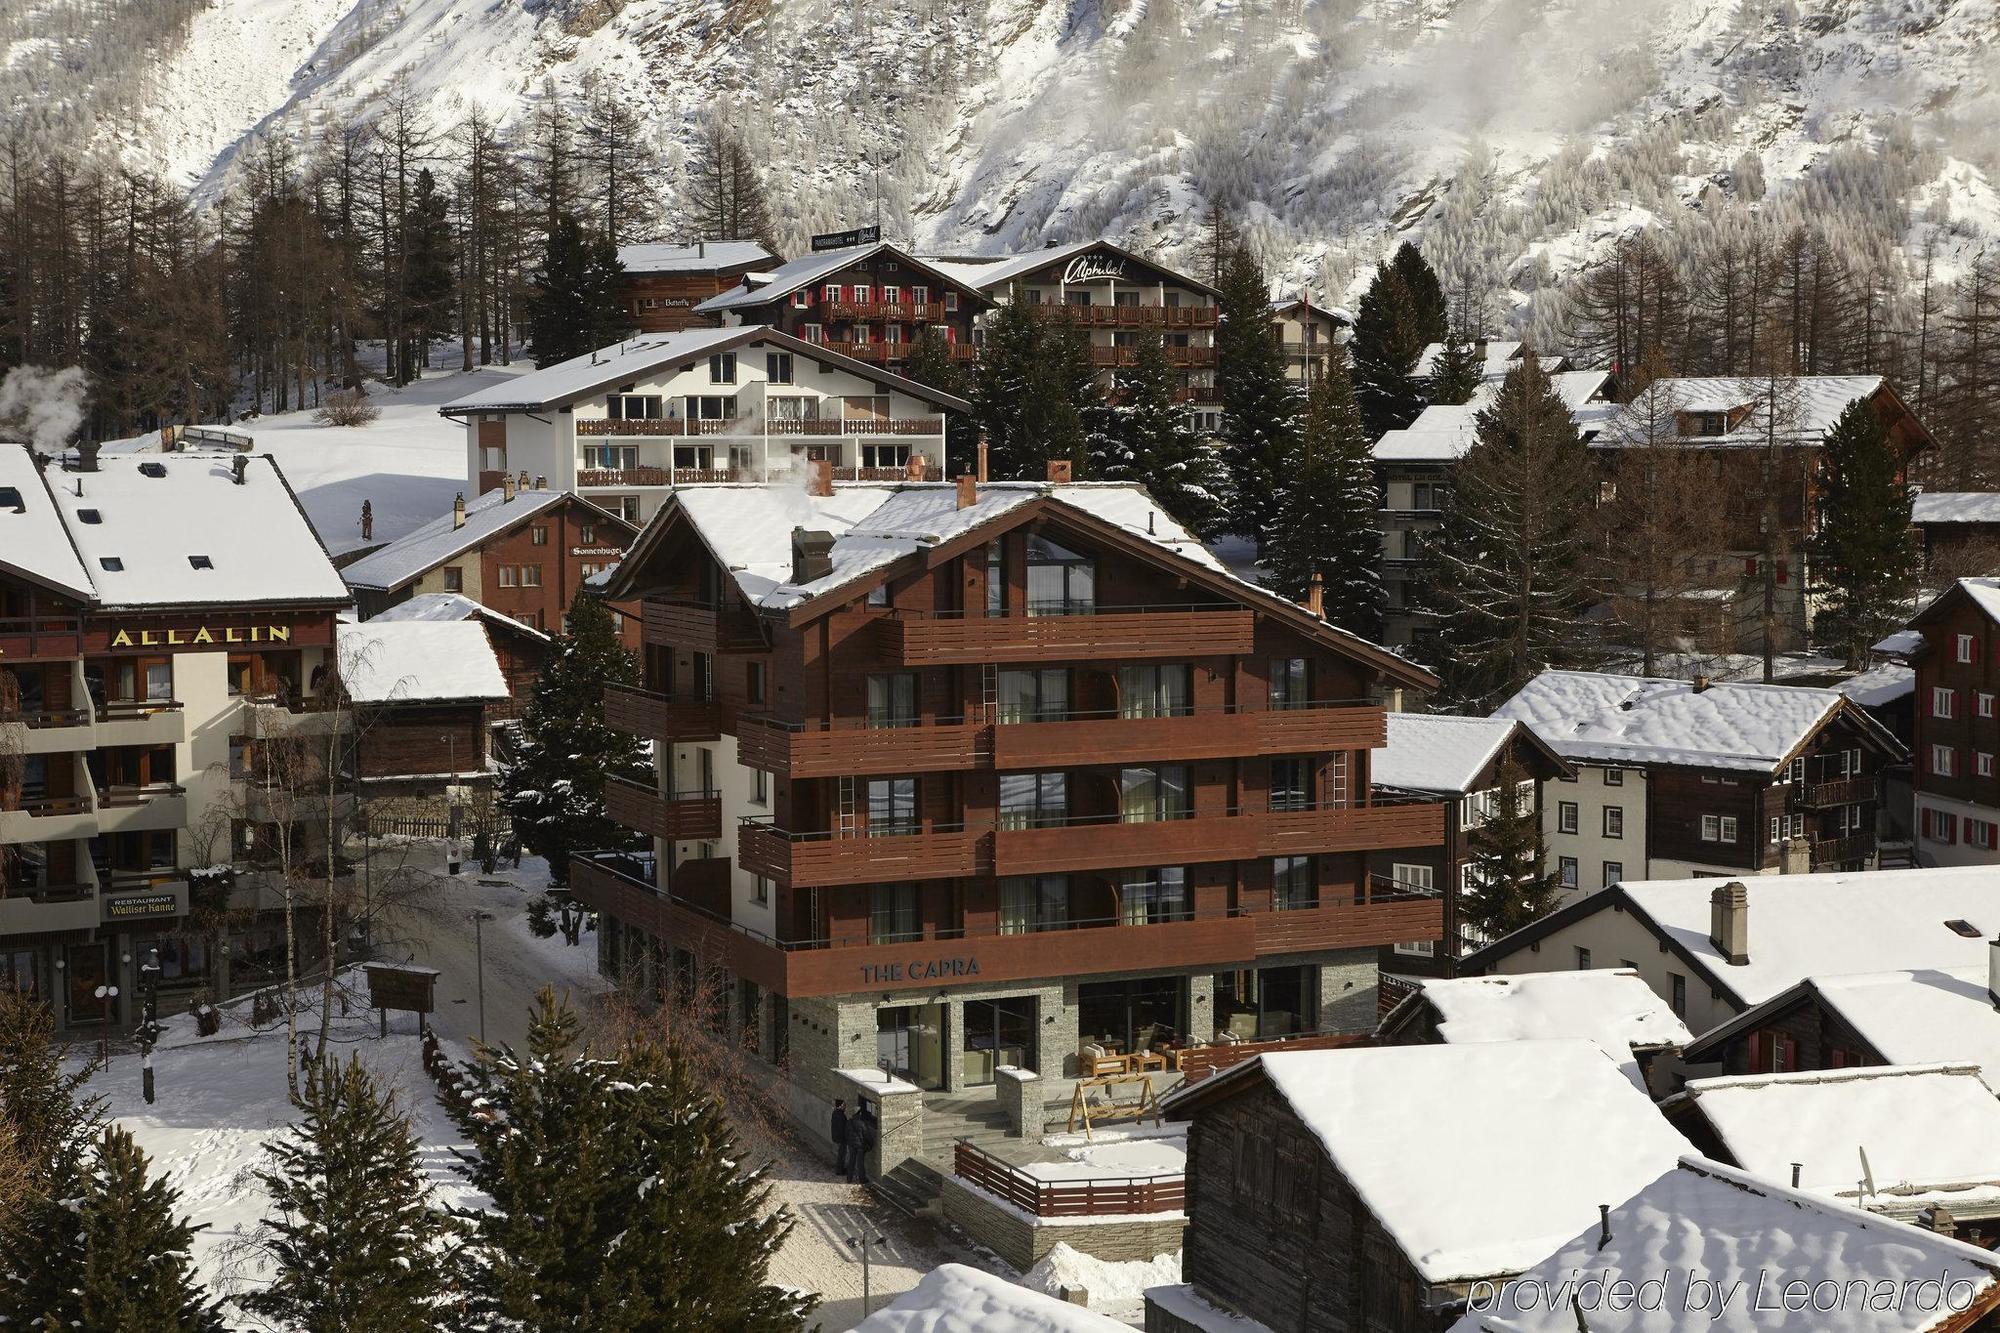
[
  {"x": 1750, "y": 567},
  {"x": 1781, "y": 571},
  {"x": 1992, "y": 836}
]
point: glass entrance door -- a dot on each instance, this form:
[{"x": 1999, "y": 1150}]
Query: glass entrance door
[
  {"x": 87, "y": 967},
  {"x": 909, "y": 1043},
  {"x": 998, "y": 1032}
]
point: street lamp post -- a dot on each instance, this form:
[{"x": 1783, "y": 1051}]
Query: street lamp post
[
  {"x": 479, "y": 920},
  {"x": 107, "y": 994},
  {"x": 149, "y": 1023},
  {"x": 863, "y": 1243}
]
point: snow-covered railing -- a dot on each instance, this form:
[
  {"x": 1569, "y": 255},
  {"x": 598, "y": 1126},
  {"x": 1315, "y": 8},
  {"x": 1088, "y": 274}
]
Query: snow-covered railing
[{"x": 1083, "y": 1197}]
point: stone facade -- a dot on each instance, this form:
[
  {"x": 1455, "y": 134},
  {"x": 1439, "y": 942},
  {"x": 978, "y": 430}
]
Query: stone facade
[{"x": 1019, "y": 1092}]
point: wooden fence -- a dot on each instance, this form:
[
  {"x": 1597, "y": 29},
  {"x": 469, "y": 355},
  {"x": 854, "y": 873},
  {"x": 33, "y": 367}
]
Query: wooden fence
[
  {"x": 1201, "y": 1062},
  {"x": 430, "y": 826},
  {"x": 1068, "y": 1198}
]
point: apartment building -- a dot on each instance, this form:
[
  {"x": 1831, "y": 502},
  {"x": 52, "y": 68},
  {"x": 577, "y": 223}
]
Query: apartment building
[
  {"x": 951, "y": 777},
  {"x": 1307, "y": 334},
  {"x": 161, "y": 619},
  {"x": 663, "y": 283},
  {"x": 624, "y": 425},
  {"x": 866, "y": 302},
  {"x": 1957, "y": 727},
  {"x": 1691, "y": 778}
]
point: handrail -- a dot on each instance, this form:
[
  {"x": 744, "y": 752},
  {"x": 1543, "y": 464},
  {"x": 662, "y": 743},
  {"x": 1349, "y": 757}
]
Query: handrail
[
  {"x": 767, "y": 823},
  {"x": 1049, "y": 715},
  {"x": 114, "y": 710},
  {"x": 678, "y": 794},
  {"x": 1054, "y": 610},
  {"x": 1165, "y": 1192}
]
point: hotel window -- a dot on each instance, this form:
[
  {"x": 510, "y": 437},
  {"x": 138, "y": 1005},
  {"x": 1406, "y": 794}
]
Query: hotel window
[
  {"x": 882, "y": 455},
  {"x": 801, "y": 299},
  {"x": 1983, "y": 764},
  {"x": 831, "y": 291},
  {"x": 1677, "y": 1000},
  {"x": 760, "y": 787},
  {"x": 778, "y": 367},
  {"x": 1614, "y": 777},
  {"x": 861, "y": 293},
  {"x": 892, "y": 699},
  {"x": 892, "y": 806},
  {"x": 1033, "y": 694},
  {"x": 891, "y": 294},
  {"x": 1163, "y": 690},
  {"x": 1968, "y": 648},
  {"x": 1941, "y": 701},
  {"x": 1938, "y": 825},
  {"x": 1288, "y": 682},
  {"x": 1566, "y": 817},
  {"x": 1718, "y": 828},
  {"x": 754, "y": 683},
  {"x": 1291, "y": 784},
  {"x": 1294, "y": 887},
  {"x": 950, "y": 302},
  {"x": 1981, "y": 833},
  {"x": 892, "y": 914},
  {"x": 894, "y": 334},
  {"x": 1030, "y": 903},
  {"x": 879, "y": 594},
  {"x": 585, "y": 533},
  {"x": 1614, "y": 821},
  {"x": 1985, "y": 704},
  {"x": 1613, "y": 872},
  {"x": 996, "y": 579},
  {"x": 1033, "y": 800},
  {"x": 814, "y": 333},
  {"x": 17, "y": 970},
  {"x": 1582, "y": 958},
  {"x": 610, "y": 457},
  {"x": 1566, "y": 871},
  {"x": 538, "y": 537},
  {"x": 1150, "y": 897},
  {"x": 1060, "y": 582},
  {"x": 1153, "y": 794},
  {"x": 635, "y": 407},
  {"x": 760, "y": 890},
  {"x": 1943, "y": 763},
  {"x": 722, "y": 368},
  {"x": 454, "y": 579},
  {"x": 920, "y": 296}
]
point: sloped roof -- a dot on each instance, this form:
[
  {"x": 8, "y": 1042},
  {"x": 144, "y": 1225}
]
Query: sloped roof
[
  {"x": 954, "y": 1298},
  {"x": 1592, "y": 716},
  {"x": 416, "y": 661},
  {"x": 758, "y": 288},
  {"x": 33, "y": 540},
  {"x": 1820, "y": 399},
  {"x": 989, "y": 275},
  {"x": 695, "y": 257},
  {"x": 1436, "y": 752},
  {"x": 153, "y": 517},
  {"x": 1443, "y": 432},
  {"x": 1955, "y": 507},
  {"x": 1745, "y": 1235},
  {"x": 1880, "y": 685},
  {"x": 1477, "y": 1159},
  {"x": 447, "y": 606},
  {"x": 415, "y": 554}
]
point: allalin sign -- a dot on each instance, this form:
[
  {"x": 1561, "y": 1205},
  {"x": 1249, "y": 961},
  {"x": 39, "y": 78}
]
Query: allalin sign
[
  {"x": 199, "y": 636},
  {"x": 1092, "y": 268}
]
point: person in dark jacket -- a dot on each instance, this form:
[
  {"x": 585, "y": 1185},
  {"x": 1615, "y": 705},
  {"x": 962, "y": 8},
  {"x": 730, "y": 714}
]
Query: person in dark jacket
[
  {"x": 839, "y": 1131},
  {"x": 860, "y": 1138}
]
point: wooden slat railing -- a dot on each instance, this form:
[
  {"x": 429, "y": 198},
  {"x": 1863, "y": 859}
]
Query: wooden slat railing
[{"x": 1068, "y": 1198}]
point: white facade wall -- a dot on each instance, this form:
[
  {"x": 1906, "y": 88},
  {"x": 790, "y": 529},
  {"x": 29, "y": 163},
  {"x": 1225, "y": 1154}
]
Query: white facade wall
[
  {"x": 1615, "y": 938},
  {"x": 1935, "y": 852},
  {"x": 1590, "y": 847}
]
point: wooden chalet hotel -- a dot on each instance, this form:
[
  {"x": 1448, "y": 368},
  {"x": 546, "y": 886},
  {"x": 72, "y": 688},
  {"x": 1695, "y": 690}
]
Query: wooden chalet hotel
[{"x": 957, "y": 776}]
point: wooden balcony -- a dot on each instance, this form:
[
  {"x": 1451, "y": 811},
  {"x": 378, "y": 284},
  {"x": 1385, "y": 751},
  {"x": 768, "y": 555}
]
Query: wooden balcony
[
  {"x": 654, "y": 476},
  {"x": 917, "y": 640},
  {"x": 1250, "y": 835},
  {"x": 28, "y": 638},
  {"x": 803, "y": 752},
  {"x": 703, "y": 629},
  {"x": 852, "y": 426},
  {"x": 682, "y": 816},
  {"x": 904, "y": 312},
  {"x": 661, "y": 717},
  {"x": 656, "y": 427},
  {"x": 925, "y": 470},
  {"x": 1832, "y": 853},
  {"x": 1184, "y": 357},
  {"x": 1143, "y": 316},
  {"x": 1846, "y": 791},
  {"x": 816, "y": 860}
]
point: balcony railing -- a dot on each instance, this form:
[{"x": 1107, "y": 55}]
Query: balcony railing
[
  {"x": 27, "y": 638},
  {"x": 1832, "y": 852},
  {"x": 1186, "y": 357},
  {"x": 1089, "y": 1197},
  {"x": 672, "y": 623},
  {"x": 675, "y": 817},
  {"x": 849, "y": 426},
  {"x": 654, "y": 476},
  {"x": 1845, "y": 791},
  {"x": 661, "y": 717},
  {"x": 991, "y": 953},
  {"x": 821, "y": 859},
  {"x": 1143, "y": 316},
  {"x": 679, "y": 427},
  {"x": 928, "y": 312},
  {"x": 1069, "y": 633}
]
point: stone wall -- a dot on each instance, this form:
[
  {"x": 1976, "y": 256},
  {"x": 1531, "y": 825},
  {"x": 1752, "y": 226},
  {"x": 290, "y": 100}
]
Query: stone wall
[
  {"x": 1347, "y": 983},
  {"x": 1019, "y": 1092},
  {"x": 900, "y": 1110},
  {"x": 1011, "y": 1235}
]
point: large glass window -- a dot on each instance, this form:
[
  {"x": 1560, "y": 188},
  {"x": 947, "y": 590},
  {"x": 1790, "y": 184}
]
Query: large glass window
[
  {"x": 1288, "y": 682},
  {"x": 1149, "y": 897},
  {"x": 909, "y": 1043},
  {"x": 1033, "y": 800},
  {"x": 892, "y": 806},
  {"x": 1291, "y": 784},
  {"x": 1158, "y": 792},
  {"x": 1030, "y": 903},
  {"x": 1060, "y": 582},
  {"x": 1293, "y": 884},
  {"x": 1034, "y": 695},
  {"x": 892, "y": 914},
  {"x": 1267, "y": 1002},
  {"x": 1125, "y": 1017},
  {"x": 996, "y": 579},
  {"x": 998, "y": 1032},
  {"x": 182, "y": 961},
  {"x": 1164, "y": 690},
  {"x": 17, "y": 970},
  {"x": 892, "y": 699}
]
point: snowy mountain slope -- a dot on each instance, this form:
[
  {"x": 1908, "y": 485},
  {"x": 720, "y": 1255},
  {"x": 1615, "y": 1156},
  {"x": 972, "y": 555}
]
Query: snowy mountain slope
[{"x": 1520, "y": 136}]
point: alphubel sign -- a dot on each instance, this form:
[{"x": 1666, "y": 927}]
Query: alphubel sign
[
  {"x": 401, "y": 986},
  {"x": 840, "y": 240},
  {"x": 1093, "y": 268}
]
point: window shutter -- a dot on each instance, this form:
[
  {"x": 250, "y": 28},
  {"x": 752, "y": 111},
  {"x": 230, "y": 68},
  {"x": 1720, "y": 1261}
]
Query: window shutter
[{"x": 1781, "y": 571}]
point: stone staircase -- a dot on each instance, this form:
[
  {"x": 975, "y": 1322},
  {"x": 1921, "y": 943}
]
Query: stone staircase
[{"x": 915, "y": 1184}]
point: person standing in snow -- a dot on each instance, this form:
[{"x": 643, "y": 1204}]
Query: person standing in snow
[
  {"x": 839, "y": 1131},
  {"x": 860, "y": 1138}
]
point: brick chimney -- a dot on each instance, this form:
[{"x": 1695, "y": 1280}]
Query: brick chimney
[
  {"x": 525, "y": 481},
  {"x": 1729, "y": 922},
  {"x": 506, "y": 487},
  {"x": 819, "y": 478},
  {"x": 238, "y": 466},
  {"x": 86, "y": 456},
  {"x": 1059, "y": 471},
  {"x": 968, "y": 490},
  {"x": 1700, "y": 684},
  {"x": 1796, "y": 859},
  {"x": 1315, "y": 595},
  {"x": 458, "y": 510},
  {"x": 982, "y": 473},
  {"x": 541, "y": 483},
  {"x": 812, "y": 554}
]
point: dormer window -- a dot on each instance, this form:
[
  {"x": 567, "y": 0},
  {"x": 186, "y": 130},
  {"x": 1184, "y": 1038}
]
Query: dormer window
[
  {"x": 111, "y": 563},
  {"x": 152, "y": 469},
  {"x": 1713, "y": 423},
  {"x": 10, "y": 498},
  {"x": 90, "y": 516},
  {"x": 200, "y": 562}
]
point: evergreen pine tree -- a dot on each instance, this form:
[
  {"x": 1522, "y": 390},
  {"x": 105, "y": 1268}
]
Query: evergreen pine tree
[
  {"x": 573, "y": 306},
  {"x": 1507, "y": 569},
  {"x": 1259, "y": 402},
  {"x": 357, "y": 1245},
  {"x": 1156, "y": 445},
  {"x": 554, "y": 790},
  {"x": 1036, "y": 396},
  {"x": 430, "y": 280},
  {"x": 1219, "y": 239},
  {"x": 1455, "y": 372},
  {"x": 620, "y": 1203},
  {"x": 1004, "y": 381},
  {"x": 931, "y": 363},
  {"x": 1861, "y": 556},
  {"x": 1427, "y": 299},
  {"x": 1508, "y": 886},
  {"x": 50, "y": 1128},
  {"x": 1329, "y": 523},
  {"x": 1387, "y": 344}
]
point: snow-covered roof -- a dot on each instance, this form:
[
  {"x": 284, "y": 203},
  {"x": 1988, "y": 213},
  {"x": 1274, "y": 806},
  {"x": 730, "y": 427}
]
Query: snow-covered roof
[
  {"x": 416, "y": 554},
  {"x": 410, "y": 661},
  {"x": 1956, "y": 507},
  {"x": 696, "y": 257},
  {"x": 566, "y": 381},
  {"x": 1497, "y": 357},
  {"x": 770, "y": 284},
  {"x": 1443, "y": 432},
  {"x": 1818, "y": 401},
  {"x": 36, "y": 544},
  {"x": 1477, "y": 1159},
  {"x": 1828, "y": 923},
  {"x": 1613, "y": 1009},
  {"x": 1436, "y": 752},
  {"x": 445, "y": 606},
  {"x": 953, "y": 1298},
  {"x": 1921, "y": 1127},
  {"x": 1880, "y": 685},
  {"x": 989, "y": 274},
  {"x": 1592, "y": 716},
  {"x": 176, "y": 530},
  {"x": 1748, "y": 1237},
  {"x": 1900, "y": 644}
]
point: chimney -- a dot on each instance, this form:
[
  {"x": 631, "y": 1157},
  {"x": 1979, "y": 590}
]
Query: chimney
[
  {"x": 86, "y": 456},
  {"x": 968, "y": 490},
  {"x": 1993, "y": 971},
  {"x": 701, "y": 249},
  {"x": 1315, "y": 594},
  {"x": 237, "y": 467},
  {"x": 525, "y": 482},
  {"x": 367, "y": 520},
  {"x": 1796, "y": 859},
  {"x": 458, "y": 510},
  {"x": 1938, "y": 1219},
  {"x": 812, "y": 554},
  {"x": 982, "y": 473},
  {"x": 541, "y": 483},
  {"x": 506, "y": 487},
  {"x": 1700, "y": 684},
  {"x": 1059, "y": 471},
  {"x": 1603, "y": 1225},
  {"x": 819, "y": 479},
  {"x": 1729, "y": 922}
]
